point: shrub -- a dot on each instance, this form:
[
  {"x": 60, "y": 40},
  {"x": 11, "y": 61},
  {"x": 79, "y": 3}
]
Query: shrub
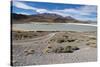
[
  {"x": 93, "y": 38},
  {"x": 71, "y": 40},
  {"x": 75, "y": 48},
  {"x": 48, "y": 50},
  {"x": 28, "y": 52},
  {"x": 59, "y": 50},
  {"x": 87, "y": 44},
  {"x": 68, "y": 49},
  {"x": 50, "y": 47},
  {"x": 61, "y": 41}
]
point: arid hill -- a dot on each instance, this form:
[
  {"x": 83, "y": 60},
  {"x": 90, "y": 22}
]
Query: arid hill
[{"x": 44, "y": 17}]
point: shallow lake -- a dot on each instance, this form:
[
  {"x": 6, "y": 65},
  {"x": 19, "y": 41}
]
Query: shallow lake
[{"x": 54, "y": 27}]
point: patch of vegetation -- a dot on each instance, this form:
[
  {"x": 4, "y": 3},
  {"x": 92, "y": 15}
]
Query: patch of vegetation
[
  {"x": 25, "y": 36},
  {"x": 35, "y": 35},
  {"x": 49, "y": 47},
  {"x": 28, "y": 52},
  {"x": 67, "y": 49},
  {"x": 59, "y": 50},
  {"x": 65, "y": 40},
  {"x": 61, "y": 41},
  {"x": 75, "y": 48},
  {"x": 71, "y": 40},
  {"x": 52, "y": 40},
  {"x": 93, "y": 38},
  {"x": 48, "y": 50},
  {"x": 92, "y": 45},
  {"x": 87, "y": 44}
]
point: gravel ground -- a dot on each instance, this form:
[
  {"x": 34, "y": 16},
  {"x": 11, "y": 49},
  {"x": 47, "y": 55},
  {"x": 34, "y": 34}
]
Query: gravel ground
[{"x": 24, "y": 54}]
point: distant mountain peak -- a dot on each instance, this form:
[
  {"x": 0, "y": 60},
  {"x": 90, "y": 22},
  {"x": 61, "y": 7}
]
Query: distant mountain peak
[
  {"x": 49, "y": 15},
  {"x": 45, "y": 17}
]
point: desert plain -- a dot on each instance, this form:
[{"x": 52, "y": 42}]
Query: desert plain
[{"x": 53, "y": 47}]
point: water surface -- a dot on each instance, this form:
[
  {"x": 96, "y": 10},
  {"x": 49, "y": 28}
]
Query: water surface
[{"x": 54, "y": 27}]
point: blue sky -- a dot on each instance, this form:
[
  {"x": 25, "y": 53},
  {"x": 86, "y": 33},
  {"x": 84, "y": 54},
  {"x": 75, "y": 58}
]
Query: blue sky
[{"x": 80, "y": 12}]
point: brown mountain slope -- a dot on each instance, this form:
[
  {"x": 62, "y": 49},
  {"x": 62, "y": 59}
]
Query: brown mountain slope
[{"x": 44, "y": 17}]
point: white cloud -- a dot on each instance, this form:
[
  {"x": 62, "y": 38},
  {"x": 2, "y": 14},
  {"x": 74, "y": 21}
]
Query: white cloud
[
  {"x": 22, "y": 5},
  {"x": 79, "y": 13},
  {"x": 76, "y": 13},
  {"x": 85, "y": 10},
  {"x": 88, "y": 10},
  {"x": 42, "y": 10},
  {"x": 24, "y": 13}
]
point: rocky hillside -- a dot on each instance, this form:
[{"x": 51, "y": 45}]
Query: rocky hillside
[{"x": 44, "y": 17}]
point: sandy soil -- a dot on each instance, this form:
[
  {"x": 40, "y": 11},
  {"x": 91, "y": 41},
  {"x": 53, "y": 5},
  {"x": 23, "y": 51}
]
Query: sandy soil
[{"x": 39, "y": 50}]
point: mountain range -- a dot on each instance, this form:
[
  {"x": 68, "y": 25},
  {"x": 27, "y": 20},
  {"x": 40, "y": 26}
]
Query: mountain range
[{"x": 44, "y": 17}]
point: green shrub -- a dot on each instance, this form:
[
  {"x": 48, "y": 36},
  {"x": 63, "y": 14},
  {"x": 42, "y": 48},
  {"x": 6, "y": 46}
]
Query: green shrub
[
  {"x": 68, "y": 49},
  {"x": 61, "y": 41},
  {"x": 59, "y": 50}
]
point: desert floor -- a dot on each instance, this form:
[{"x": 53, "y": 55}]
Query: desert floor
[{"x": 38, "y": 48}]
